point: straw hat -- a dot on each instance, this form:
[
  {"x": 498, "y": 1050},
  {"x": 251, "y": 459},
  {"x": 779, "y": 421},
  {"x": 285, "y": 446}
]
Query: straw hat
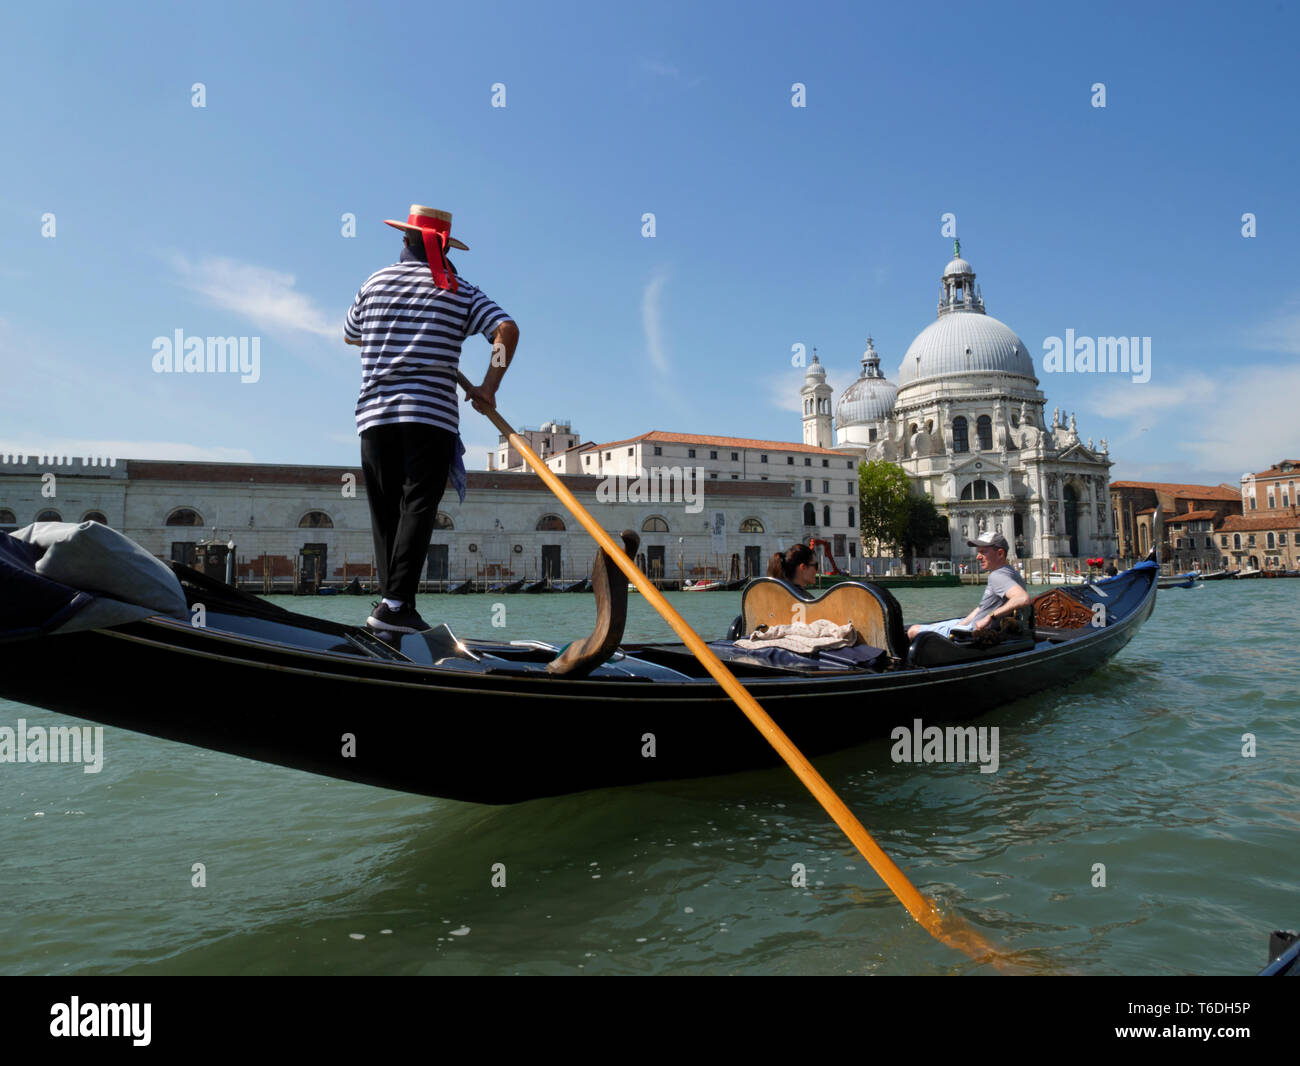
[{"x": 427, "y": 218}]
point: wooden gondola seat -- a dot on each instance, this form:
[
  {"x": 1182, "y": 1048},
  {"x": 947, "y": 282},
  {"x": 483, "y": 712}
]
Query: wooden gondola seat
[{"x": 872, "y": 610}]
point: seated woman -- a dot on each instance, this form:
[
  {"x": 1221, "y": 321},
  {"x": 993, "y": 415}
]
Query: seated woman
[{"x": 796, "y": 566}]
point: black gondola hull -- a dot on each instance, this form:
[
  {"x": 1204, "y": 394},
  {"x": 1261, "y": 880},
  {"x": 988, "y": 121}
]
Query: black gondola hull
[{"x": 494, "y": 735}]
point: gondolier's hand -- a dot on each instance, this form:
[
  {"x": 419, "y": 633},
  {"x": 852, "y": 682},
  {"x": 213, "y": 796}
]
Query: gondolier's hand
[{"x": 481, "y": 397}]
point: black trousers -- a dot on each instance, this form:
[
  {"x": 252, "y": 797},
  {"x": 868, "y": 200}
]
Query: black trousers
[{"x": 405, "y": 467}]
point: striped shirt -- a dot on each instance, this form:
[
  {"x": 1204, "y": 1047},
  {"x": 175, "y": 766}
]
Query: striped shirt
[{"x": 411, "y": 332}]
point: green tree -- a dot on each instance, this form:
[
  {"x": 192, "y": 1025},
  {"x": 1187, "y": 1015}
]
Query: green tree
[
  {"x": 883, "y": 495},
  {"x": 922, "y": 527}
]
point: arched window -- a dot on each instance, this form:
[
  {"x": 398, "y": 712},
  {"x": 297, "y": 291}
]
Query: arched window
[
  {"x": 1236, "y": 541},
  {"x": 95, "y": 516},
  {"x": 8, "y": 520},
  {"x": 184, "y": 516},
  {"x": 551, "y": 523},
  {"x": 853, "y": 518},
  {"x": 826, "y": 514},
  {"x": 751, "y": 525},
  {"x": 960, "y": 440},
  {"x": 809, "y": 514},
  {"x": 984, "y": 430},
  {"x": 315, "y": 520},
  {"x": 443, "y": 521},
  {"x": 1272, "y": 542},
  {"x": 654, "y": 524},
  {"x": 49, "y": 515},
  {"x": 980, "y": 490}
]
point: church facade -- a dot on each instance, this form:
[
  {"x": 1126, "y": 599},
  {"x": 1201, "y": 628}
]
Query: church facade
[{"x": 967, "y": 422}]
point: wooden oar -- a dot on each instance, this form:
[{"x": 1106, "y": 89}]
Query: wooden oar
[{"x": 950, "y": 929}]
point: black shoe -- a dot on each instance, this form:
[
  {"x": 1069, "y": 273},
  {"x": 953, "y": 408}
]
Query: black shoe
[{"x": 404, "y": 620}]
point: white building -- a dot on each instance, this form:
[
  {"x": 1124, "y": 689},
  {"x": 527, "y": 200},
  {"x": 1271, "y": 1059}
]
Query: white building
[{"x": 967, "y": 423}]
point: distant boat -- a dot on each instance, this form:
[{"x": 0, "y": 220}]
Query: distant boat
[
  {"x": 325, "y": 590},
  {"x": 1178, "y": 581},
  {"x": 1215, "y": 575},
  {"x": 539, "y": 586},
  {"x": 1054, "y": 578},
  {"x": 1249, "y": 571},
  {"x": 707, "y": 585},
  {"x": 578, "y": 586},
  {"x": 463, "y": 588}
]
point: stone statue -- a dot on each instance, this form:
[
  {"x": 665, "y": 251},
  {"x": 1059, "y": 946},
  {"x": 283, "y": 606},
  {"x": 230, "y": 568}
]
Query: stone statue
[
  {"x": 1103, "y": 446},
  {"x": 1051, "y": 520},
  {"x": 1089, "y": 444},
  {"x": 1074, "y": 429},
  {"x": 1056, "y": 417}
]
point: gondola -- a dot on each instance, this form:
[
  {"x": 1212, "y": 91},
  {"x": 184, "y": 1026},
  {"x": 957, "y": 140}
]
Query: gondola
[
  {"x": 487, "y": 721},
  {"x": 463, "y": 589},
  {"x": 1180, "y": 581},
  {"x": 544, "y": 585},
  {"x": 577, "y": 586}
]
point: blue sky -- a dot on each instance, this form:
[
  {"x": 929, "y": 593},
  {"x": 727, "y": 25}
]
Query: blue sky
[{"x": 775, "y": 225}]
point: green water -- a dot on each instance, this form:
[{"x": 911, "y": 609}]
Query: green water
[{"x": 1138, "y": 767}]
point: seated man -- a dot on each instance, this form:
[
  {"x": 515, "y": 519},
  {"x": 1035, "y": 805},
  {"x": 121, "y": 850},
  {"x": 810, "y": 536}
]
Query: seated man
[{"x": 1004, "y": 595}]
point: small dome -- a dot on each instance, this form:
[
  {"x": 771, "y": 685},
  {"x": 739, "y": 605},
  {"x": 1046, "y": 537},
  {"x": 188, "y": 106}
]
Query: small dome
[
  {"x": 866, "y": 400},
  {"x": 815, "y": 370},
  {"x": 958, "y": 266}
]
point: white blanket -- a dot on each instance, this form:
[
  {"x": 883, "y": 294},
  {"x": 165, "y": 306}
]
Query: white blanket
[{"x": 803, "y": 637}]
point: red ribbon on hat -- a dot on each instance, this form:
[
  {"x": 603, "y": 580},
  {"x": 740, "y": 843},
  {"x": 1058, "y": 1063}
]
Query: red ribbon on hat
[{"x": 436, "y": 233}]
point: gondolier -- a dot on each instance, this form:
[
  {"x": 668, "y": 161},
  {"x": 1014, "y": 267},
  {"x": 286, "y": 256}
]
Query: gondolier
[{"x": 409, "y": 320}]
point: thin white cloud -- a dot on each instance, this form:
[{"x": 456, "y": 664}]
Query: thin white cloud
[
  {"x": 79, "y": 448},
  {"x": 266, "y": 297},
  {"x": 652, "y": 323},
  {"x": 663, "y": 70},
  {"x": 1124, "y": 398},
  {"x": 1279, "y": 334}
]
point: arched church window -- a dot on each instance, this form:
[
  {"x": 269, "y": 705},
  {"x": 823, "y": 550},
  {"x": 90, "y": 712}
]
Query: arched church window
[
  {"x": 984, "y": 430},
  {"x": 960, "y": 441},
  {"x": 751, "y": 525},
  {"x": 980, "y": 490},
  {"x": 1272, "y": 542},
  {"x": 929, "y": 425}
]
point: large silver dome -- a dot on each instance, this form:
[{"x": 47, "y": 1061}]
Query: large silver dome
[{"x": 942, "y": 348}]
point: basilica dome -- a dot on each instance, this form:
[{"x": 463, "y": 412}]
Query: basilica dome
[
  {"x": 964, "y": 339},
  {"x": 965, "y": 342}
]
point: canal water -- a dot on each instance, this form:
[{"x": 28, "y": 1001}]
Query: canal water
[{"x": 1136, "y": 774}]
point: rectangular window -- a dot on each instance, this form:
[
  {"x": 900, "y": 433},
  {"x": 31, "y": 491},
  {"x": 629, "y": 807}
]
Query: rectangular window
[
  {"x": 1281, "y": 540},
  {"x": 807, "y": 461},
  {"x": 690, "y": 453},
  {"x": 762, "y": 458},
  {"x": 789, "y": 460},
  {"x": 713, "y": 455},
  {"x": 735, "y": 457},
  {"x": 714, "y": 477},
  {"x": 826, "y": 462},
  {"x": 631, "y": 451},
  {"x": 735, "y": 477},
  {"x": 609, "y": 455},
  {"x": 1250, "y": 540},
  {"x": 1271, "y": 504},
  {"x": 848, "y": 487},
  {"x": 658, "y": 450},
  {"x": 826, "y": 488},
  {"x": 1223, "y": 542},
  {"x": 850, "y": 464},
  {"x": 807, "y": 486},
  {"x": 1252, "y": 503}
]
